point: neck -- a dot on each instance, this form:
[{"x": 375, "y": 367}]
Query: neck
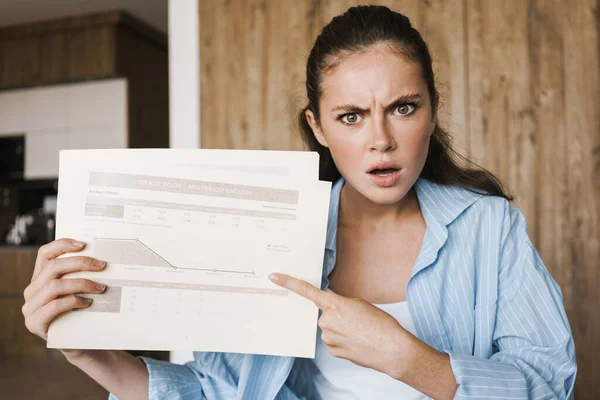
[{"x": 357, "y": 209}]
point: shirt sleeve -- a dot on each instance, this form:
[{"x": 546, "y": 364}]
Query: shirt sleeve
[
  {"x": 171, "y": 381},
  {"x": 533, "y": 351}
]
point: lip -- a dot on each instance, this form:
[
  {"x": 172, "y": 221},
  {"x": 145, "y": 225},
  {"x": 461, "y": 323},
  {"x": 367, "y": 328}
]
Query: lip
[
  {"x": 388, "y": 180},
  {"x": 383, "y": 165}
]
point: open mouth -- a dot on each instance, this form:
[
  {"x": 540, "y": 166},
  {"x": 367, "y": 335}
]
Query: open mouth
[{"x": 383, "y": 171}]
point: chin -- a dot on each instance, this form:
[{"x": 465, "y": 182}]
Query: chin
[
  {"x": 385, "y": 196},
  {"x": 382, "y": 195}
]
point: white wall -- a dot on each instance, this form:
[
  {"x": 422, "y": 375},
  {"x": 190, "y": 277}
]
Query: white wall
[
  {"x": 184, "y": 88},
  {"x": 184, "y": 74},
  {"x": 68, "y": 116}
]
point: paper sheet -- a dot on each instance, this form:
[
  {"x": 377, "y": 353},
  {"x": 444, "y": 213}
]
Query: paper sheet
[{"x": 190, "y": 237}]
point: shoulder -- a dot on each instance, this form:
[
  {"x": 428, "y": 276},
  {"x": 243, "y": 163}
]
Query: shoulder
[
  {"x": 478, "y": 207},
  {"x": 477, "y": 218},
  {"x": 456, "y": 205},
  {"x": 494, "y": 212},
  {"x": 499, "y": 231}
]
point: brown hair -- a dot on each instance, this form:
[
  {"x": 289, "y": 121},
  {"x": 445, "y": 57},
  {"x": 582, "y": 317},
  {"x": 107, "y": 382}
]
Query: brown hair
[{"x": 357, "y": 30}]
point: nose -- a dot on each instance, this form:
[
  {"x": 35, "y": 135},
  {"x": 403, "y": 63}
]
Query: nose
[{"x": 382, "y": 139}]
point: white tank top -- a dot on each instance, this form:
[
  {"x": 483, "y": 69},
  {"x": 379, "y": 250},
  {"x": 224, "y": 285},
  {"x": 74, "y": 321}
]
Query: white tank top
[{"x": 342, "y": 379}]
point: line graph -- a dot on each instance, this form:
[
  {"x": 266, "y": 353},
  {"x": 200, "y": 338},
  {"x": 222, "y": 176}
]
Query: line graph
[{"x": 135, "y": 252}]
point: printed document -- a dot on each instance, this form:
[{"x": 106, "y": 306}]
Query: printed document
[{"x": 190, "y": 237}]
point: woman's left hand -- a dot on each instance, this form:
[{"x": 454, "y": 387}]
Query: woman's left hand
[{"x": 355, "y": 329}]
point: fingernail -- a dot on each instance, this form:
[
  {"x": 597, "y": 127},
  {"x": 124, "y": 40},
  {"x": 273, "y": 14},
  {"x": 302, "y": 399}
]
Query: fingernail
[
  {"x": 274, "y": 277},
  {"x": 99, "y": 263},
  {"x": 88, "y": 300},
  {"x": 100, "y": 286},
  {"x": 77, "y": 243}
]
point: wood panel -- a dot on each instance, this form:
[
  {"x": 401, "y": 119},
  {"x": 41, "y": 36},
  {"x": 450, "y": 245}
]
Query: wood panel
[
  {"x": 245, "y": 54},
  {"x": 447, "y": 45},
  {"x": 241, "y": 42},
  {"x": 74, "y": 49},
  {"x": 579, "y": 211},
  {"x": 145, "y": 63},
  {"x": 57, "y": 57},
  {"x": 506, "y": 125},
  {"x": 547, "y": 89},
  {"x": 519, "y": 83}
]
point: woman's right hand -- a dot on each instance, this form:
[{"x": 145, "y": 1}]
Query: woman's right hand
[{"x": 48, "y": 295}]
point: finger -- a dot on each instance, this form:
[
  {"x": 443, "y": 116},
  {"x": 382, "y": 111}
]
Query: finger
[
  {"x": 56, "y": 268},
  {"x": 331, "y": 338},
  {"x": 54, "y": 249},
  {"x": 303, "y": 288},
  {"x": 61, "y": 266},
  {"x": 40, "y": 321},
  {"x": 337, "y": 352},
  {"x": 327, "y": 323},
  {"x": 60, "y": 287}
]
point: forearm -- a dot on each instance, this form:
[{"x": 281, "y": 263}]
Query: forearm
[
  {"x": 119, "y": 372},
  {"x": 425, "y": 369}
]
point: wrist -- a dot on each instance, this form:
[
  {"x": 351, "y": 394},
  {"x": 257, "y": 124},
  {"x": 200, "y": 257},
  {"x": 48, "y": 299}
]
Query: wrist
[
  {"x": 82, "y": 357},
  {"x": 402, "y": 355},
  {"x": 423, "y": 368}
]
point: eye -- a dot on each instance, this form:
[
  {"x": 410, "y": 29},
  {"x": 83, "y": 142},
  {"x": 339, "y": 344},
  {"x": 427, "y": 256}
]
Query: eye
[
  {"x": 350, "y": 118},
  {"x": 405, "y": 109}
]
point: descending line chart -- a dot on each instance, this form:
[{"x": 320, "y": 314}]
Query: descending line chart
[{"x": 135, "y": 252}]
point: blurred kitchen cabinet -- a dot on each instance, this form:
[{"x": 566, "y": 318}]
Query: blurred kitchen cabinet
[{"x": 93, "y": 81}]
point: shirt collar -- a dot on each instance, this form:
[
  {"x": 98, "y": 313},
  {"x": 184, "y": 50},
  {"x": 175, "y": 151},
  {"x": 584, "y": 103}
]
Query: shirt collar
[{"x": 442, "y": 204}]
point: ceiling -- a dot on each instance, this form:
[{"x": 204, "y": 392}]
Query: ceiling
[{"x": 12, "y": 12}]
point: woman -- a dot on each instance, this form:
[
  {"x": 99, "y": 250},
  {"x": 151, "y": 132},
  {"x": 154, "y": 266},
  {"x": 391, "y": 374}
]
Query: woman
[{"x": 431, "y": 286}]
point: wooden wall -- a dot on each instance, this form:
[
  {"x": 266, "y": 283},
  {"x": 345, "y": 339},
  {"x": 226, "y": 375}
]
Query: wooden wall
[{"x": 520, "y": 85}]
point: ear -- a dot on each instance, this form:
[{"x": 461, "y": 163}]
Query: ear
[{"x": 316, "y": 128}]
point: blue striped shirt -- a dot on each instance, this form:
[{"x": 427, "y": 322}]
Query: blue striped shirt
[{"x": 479, "y": 292}]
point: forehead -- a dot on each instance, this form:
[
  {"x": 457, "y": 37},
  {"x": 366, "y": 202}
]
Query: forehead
[{"x": 379, "y": 71}]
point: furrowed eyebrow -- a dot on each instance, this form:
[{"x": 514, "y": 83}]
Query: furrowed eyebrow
[
  {"x": 352, "y": 108},
  {"x": 410, "y": 98}
]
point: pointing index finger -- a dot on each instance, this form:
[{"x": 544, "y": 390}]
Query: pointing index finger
[{"x": 303, "y": 288}]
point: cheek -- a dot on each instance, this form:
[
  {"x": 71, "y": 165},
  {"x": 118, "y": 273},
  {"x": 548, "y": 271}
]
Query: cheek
[
  {"x": 415, "y": 144},
  {"x": 345, "y": 153},
  {"x": 344, "y": 146}
]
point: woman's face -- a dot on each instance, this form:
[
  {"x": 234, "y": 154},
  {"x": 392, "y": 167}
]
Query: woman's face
[{"x": 376, "y": 119}]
